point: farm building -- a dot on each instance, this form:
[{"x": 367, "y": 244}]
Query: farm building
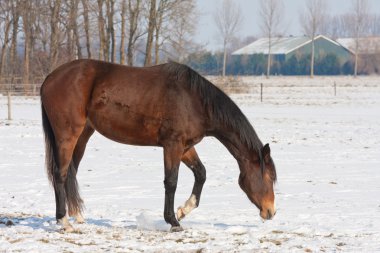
[
  {"x": 283, "y": 48},
  {"x": 366, "y": 46},
  {"x": 368, "y": 52}
]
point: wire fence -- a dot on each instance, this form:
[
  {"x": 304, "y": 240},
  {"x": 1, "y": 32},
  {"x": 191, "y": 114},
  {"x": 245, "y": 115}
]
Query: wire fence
[
  {"x": 304, "y": 91},
  {"x": 20, "y": 89}
]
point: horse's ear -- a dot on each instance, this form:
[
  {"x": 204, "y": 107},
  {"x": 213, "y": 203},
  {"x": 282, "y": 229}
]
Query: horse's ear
[{"x": 266, "y": 153}]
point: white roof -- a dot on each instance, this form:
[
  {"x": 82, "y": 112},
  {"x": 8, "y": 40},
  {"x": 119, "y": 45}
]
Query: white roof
[
  {"x": 366, "y": 45},
  {"x": 280, "y": 45}
]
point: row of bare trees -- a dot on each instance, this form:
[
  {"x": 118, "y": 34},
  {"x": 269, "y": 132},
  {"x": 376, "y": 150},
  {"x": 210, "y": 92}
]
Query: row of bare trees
[
  {"x": 314, "y": 20},
  {"x": 37, "y": 36}
]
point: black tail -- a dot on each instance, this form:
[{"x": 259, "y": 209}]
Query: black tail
[{"x": 74, "y": 201}]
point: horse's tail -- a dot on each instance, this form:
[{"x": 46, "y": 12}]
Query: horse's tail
[
  {"x": 74, "y": 201},
  {"x": 50, "y": 147}
]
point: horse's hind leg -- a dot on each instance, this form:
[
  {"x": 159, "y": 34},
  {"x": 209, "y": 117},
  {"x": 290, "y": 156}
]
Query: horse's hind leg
[
  {"x": 80, "y": 147},
  {"x": 65, "y": 147},
  {"x": 77, "y": 157},
  {"x": 191, "y": 159}
]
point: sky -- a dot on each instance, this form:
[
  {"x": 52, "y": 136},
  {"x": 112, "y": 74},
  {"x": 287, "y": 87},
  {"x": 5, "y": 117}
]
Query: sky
[{"x": 207, "y": 34}]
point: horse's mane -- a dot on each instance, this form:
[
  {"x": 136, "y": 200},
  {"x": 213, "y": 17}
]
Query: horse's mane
[{"x": 221, "y": 108}]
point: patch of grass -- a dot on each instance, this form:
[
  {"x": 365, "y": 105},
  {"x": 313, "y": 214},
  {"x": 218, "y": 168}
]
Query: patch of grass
[
  {"x": 15, "y": 241},
  {"x": 44, "y": 240},
  {"x": 72, "y": 241},
  {"x": 275, "y": 242}
]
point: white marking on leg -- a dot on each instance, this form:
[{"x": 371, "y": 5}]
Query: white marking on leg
[
  {"x": 189, "y": 205},
  {"x": 79, "y": 218},
  {"x": 66, "y": 226}
]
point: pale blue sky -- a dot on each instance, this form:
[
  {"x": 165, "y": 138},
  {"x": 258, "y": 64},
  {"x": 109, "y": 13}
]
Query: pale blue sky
[{"x": 207, "y": 34}]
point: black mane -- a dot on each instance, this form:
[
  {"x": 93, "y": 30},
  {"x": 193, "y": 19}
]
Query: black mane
[{"x": 221, "y": 107}]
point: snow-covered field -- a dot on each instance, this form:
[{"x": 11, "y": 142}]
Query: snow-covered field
[{"x": 326, "y": 149}]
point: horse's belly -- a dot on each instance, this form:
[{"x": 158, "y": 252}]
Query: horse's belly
[{"x": 126, "y": 126}]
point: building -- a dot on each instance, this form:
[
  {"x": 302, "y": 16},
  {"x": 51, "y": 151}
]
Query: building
[
  {"x": 366, "y": 46},
  {"x": 368, "y": 53},
  {"x": 283, "y": 48}
]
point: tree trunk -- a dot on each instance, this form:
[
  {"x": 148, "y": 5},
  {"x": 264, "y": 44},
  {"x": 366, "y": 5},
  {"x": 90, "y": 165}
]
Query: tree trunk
[
  {"x": 151, "y": 29},
  {"x": 356, "y": 57},
  {"x": 13, "y": 51},
  {"x": 102, "y": 35},
  {"x": 312, "y": 57},
  {"x": 269, "y": 56},
  {"x": 27, "y": 28},
  {"x": 122, "y": 39},
  {"x": 134, "y": 13},
  {"x": 55, "y": 6},
  {"x": 86, "y": 27},
  {"x": 158, "y": 27},
  {"x": 111, "y": 40},
  {"x": 224, "y": 58},
  {"x": 157, "y": 45},
  {"x": 5, "y": 45},
  {"x": 73, "y": 36}
]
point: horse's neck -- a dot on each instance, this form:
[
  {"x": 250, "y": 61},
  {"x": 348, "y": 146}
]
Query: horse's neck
[{"x": 231, "y": 140}]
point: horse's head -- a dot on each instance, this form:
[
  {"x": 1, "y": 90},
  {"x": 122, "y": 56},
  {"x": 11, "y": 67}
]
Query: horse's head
[{"x": 257, "y": 179}]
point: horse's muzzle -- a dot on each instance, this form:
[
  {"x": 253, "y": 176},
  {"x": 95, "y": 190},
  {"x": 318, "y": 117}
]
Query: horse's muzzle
[{"x": 267, "y": 214}]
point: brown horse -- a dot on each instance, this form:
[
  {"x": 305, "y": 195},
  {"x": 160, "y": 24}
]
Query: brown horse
[{"x": 169, "y": 106}]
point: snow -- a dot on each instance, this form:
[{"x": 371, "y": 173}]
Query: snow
[{"x": 326, "y": 149}]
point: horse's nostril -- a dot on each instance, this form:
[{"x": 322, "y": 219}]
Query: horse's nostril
[{"x": 269, "y": 215}]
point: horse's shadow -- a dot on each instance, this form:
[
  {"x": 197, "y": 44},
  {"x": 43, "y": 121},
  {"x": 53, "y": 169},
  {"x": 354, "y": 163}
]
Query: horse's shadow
[
  {"x": 46, "y": 223},
  {"x": 49, "y": 224}
]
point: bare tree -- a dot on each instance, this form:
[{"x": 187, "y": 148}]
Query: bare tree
[
  {"x": 6, "y": 24},
  {"x": 151, "y": 29},
  {"x": 28, "y": 16},
  {"x": 111, "y": 36},
  {"x": 166, "y": 11},
  {"x": 360, "y": 14},
  {"x": 271, "y": 14},
  {"x": 227, "y": 18},
  {"x": 103, "y": 51},
  {"x": 123, "y": 14},
  {"x": 311, "y": 21},
  {"x": 184, "y": 21},
  {"x": 87, "y": 26},
  {"x": 15, "y": 9},
  {"x": 55, "y": 8},
  {"x": 135, "y": 32},
  {"x": 73, "y": 43}
]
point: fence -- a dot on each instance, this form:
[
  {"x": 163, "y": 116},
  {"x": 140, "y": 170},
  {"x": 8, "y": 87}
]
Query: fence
[
  {"x": 11, "y": 90},
  {"x": 325, "y": 91}
]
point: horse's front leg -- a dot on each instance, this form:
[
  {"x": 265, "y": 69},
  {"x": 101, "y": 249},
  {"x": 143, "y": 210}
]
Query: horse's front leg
[
  {"x": 191, "y": 159},
  {"x": 172, "y": 158}
]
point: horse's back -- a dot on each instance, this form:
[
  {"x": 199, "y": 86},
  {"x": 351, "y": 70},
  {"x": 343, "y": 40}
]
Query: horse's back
[{"x": 134, "y": 105}]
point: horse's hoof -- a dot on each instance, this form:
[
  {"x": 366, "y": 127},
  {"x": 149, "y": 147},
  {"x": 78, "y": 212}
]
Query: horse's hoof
[
  {"x": 180, "y": 213},
  {"x": 79, "y": 219},
  {"x": 176, "y": 229},
  {"x": 68, "y": 229},
  {"x": 66, "y": 226}
]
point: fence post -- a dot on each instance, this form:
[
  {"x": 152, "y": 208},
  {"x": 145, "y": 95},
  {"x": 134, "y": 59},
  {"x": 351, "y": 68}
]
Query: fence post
[
  {"x": 334, "y": 88},
  {"x": 261, "y": 92},
  {"x": 9, "y": 106}
]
